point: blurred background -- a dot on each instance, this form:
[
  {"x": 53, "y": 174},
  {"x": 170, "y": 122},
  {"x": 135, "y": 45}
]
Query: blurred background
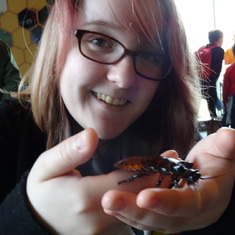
[
  {"x": 21, "y": 26},
  {"x": 201, "y": 16}
]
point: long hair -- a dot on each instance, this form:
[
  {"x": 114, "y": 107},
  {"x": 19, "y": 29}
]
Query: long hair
[
  {"x": 48, "y": 108},
  {"x": 170, "y": 120}
]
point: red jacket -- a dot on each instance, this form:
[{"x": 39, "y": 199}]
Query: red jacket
[{"x": 229, "y": 83}]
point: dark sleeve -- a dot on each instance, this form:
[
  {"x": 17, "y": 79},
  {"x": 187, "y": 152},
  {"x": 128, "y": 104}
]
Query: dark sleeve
[
  {"x": 225, "y": 225},
  {"x": 9, "y": 72},
  {"x": 15, "y": 214},
  {"x": 217, "y": 57},
  {"x": 18, "y": 152}
]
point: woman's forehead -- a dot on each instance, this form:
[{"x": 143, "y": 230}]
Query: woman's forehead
[{"x": 142, "y": 18}]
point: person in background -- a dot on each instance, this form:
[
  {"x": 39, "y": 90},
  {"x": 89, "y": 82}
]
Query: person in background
[
  {"x": 229, "y": 96},
  {"x": 9, "y": 72},
  {"x": 229, "y": 57},
  {"x": 112, "y": 79},
  {"x": 209, "y": 82}
]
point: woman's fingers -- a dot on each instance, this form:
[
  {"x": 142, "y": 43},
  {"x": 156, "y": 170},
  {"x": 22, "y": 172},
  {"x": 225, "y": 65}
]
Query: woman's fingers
[
  {"x": 183, "y": 202},
  {"x": 224, "y": 140},
  {"x": 66, "y": 156}
]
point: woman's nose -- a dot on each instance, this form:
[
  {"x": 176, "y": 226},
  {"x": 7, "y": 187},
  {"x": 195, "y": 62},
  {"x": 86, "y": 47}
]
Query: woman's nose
[{"x": 123, "y": 72}]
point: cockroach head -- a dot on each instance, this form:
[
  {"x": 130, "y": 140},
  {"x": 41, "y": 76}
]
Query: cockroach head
[{"x": 193, "y": 177}]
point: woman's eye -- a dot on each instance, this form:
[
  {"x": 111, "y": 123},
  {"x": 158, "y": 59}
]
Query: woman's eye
[
  {"x": 150, "y": 57},
  {"x": 100, "y": 42}
]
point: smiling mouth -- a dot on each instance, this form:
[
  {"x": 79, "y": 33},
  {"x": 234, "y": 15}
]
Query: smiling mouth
[{"x": 111, "y": 100}]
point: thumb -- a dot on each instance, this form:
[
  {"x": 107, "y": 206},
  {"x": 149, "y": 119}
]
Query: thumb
[
  {"x": 225, "y": 139},
  {"x": 65, "y": 156}
]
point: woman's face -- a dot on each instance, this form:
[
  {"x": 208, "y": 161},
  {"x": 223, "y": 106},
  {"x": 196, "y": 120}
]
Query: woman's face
[{"x": 105, "y": 97}]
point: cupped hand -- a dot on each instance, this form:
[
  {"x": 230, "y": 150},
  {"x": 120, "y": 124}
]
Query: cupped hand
[
  {"x": 63, "y": 200},
  {"x": 184, "y": 208}
]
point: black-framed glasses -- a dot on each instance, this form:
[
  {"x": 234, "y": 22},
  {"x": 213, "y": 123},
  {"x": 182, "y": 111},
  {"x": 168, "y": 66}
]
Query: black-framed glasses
[{"x": 103, "y": 49}]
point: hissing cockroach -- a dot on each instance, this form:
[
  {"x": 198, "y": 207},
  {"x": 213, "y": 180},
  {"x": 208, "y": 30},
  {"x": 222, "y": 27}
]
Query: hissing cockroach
[{"x": 144, "y": 166}]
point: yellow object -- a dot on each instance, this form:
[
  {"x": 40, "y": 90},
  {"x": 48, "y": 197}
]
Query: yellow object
[
  {"x": 157, "y": 233},
  {"x": 229, "y": 56},
  {"x": 19, "y": 38}
]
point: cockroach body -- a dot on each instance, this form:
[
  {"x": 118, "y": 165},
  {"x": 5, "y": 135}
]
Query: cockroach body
[{"x": 144, "y": 166}]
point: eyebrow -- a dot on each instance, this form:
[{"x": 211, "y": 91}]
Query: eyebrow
[{"x": 102, "y": 23}]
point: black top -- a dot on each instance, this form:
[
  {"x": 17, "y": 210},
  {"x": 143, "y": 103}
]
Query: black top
[
  {"x": 217, "y": 56},
  {"x": 21, "y": 142}
]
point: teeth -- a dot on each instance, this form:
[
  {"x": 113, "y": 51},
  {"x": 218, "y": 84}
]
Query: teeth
[{"x": 110, "y": 100}]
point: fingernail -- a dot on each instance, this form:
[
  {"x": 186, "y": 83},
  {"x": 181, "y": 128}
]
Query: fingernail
[
  {"x": 81, "y": 141},
  {"x": 153, "y": 204},
  {"x": 118, "y": 206}
]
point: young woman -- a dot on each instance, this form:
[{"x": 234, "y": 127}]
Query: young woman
[{"x": 112, "y": 79}]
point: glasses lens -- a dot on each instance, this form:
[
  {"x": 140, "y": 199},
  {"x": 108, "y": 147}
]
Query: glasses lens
[
  {"x": 100, "y": 48},
  {"x": 104, "y": 49},
  {"x": 152, "y": 65}
]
